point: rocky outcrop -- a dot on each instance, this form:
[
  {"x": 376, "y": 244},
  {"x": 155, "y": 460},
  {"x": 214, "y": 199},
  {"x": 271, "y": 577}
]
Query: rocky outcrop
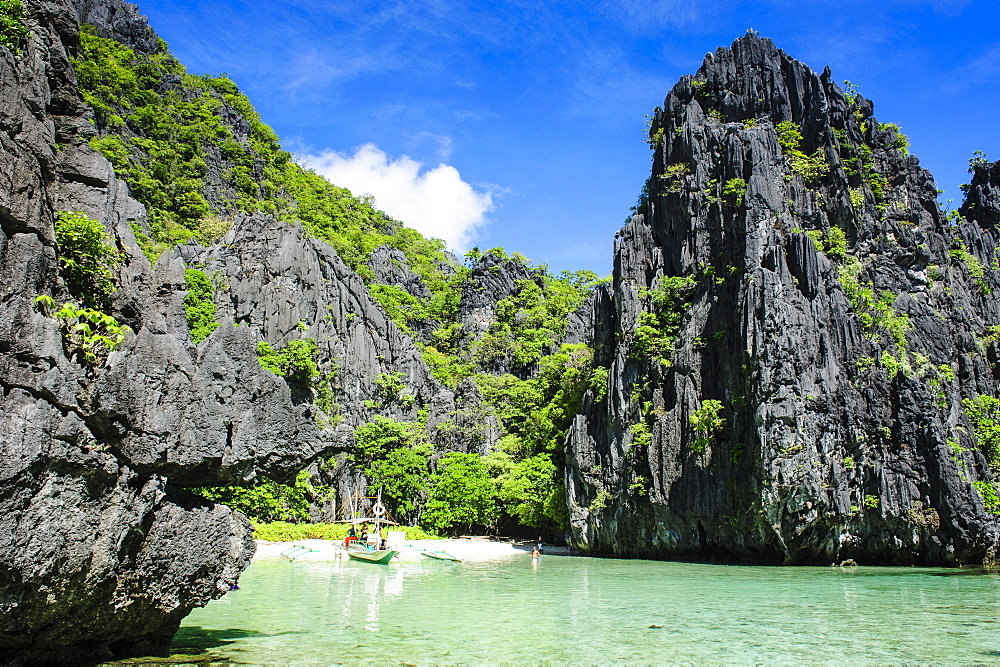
[
  {"x": 102, "y": 553},
  {"x": 493, "y": 278},
  {"x": 982, "y": 201},
  {"x": 791, "y": 332},
  {"x": 120, "y": 21}
]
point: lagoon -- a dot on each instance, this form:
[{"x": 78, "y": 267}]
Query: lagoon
[{"x": 591, "y": 610}]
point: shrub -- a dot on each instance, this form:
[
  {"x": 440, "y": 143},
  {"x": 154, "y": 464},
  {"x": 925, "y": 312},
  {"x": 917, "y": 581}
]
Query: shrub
[
  {"x": 988, "y": 494},
  {"x": 86, "y": 258},
  {"x": 394, "y": 458},
  {"x": 706, "y": 423},
  {"x": 654, "y": 337},
  {"x": 810, "y": 167},
  {"x": 199, "y": 305},
  {"x": 735, "y": 189},
  {"x": 296, "y": 362},
  {"x": 983, "y": 411},
  {"x": 86, "y": 332},
  {"x": 13, "y": 32},
  {"x": 283, "y": 531},
  {"x": 268, "y": 500}
]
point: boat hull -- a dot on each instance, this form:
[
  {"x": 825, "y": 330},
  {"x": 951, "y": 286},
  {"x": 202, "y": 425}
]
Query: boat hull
[
  {"x": 380, "y": 556},
  {"x": 440, "y": 555}
]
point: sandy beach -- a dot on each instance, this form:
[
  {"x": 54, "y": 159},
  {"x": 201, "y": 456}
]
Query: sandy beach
[{"x": 464, "y": 549}]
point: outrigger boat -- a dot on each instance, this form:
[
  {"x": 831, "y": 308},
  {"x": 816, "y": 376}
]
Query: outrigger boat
[
  {"x": 369, "y": 553},
  {"x": 440, "y": 555}
]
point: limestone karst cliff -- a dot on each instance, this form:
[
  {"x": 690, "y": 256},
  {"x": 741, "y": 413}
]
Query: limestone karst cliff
[
  {"x": 799, "y": 340},
  {"x": 794, "y": 362},
  {"x": 103, "y": 549}
]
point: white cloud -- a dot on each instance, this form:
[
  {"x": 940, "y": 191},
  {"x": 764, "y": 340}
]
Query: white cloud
[{"x": 436, "y": 202}]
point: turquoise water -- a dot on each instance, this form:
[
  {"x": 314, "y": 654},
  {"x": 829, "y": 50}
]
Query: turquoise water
[{"x": 586, "y": 610}]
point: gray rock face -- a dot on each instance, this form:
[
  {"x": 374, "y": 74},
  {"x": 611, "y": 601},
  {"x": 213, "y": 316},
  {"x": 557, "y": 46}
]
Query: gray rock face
[
  {"x": 493, "y": 278},
  {"x": 287, "y": 286},
  {"x": 120, "y": 21},
  {"x": 101, "y": 552},
  {"x": 842, "y": 432},
  {"x": 390, "y": 267},
  {"x": 982, "y": 203}
]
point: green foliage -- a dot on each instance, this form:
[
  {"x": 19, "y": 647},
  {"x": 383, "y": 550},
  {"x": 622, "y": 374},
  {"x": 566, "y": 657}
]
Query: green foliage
[
  {"x": 402, "y": 477},
  {"x": 735, "y": 190},
  {"x": 674, "y": 177},
  {"x": 978, "y": 159},
  {"x": 199, "y": 305},
  {"x": 394, "y": 459},
  {"x": 983, "y": 411},
  {"x": 988, "y": 494},
  {"x": 157, "y": 135},
  {"x": 960, "y": 253},
  {"x": 857, "y": 198},
  {"x": 816, "y": 235},
  {"x": 390, "y": 385},
  {"x": 13, "y": 32},
  {"x": 296, "y": 362},
  {"x": 642, "y": 436},
  {"x": 401, "y": 307},
  {"x": 891, "y": 364},
  {"x": 849, "y": 463},
  {"x": 531, "y": 321},
  {"x": 706, "y": 423},
  {"x": 87, "y": 258},
  {"x": 449, "y": 369},
  {"x": 833, "y": 242},
  {"x": 283, "y": 531},
  {"x": 851, "y": 93},
  {"x": 789, "y": 136},
  {"x": 600, "y": 502},
  {"x": 269, "y": 501},
  {"x": 876, "y": 312},
  {"x": 87, "y": 333},
  {"x": 658, "y": 327},
  {"x": 537, "y": 411},
  {"x": 810, "y": 167},
  {"x": 877, "y": 183},
  {"x": 654, "y": 137},
  {"x": 462, "y": 494},
  {"x": 599, "y": 383},
  {"x": 902, "y": 142},
  {"x": 871, "y": 502},
  {"x": 527, "y": 488}
]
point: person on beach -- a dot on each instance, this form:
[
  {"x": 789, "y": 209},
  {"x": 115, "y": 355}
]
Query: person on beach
[
  {"x": 535, "y": 553},
  {"x": 541, "y": 547}
]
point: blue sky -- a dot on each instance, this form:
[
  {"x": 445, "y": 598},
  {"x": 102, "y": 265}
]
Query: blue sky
[{"x": 520, "y": 124}]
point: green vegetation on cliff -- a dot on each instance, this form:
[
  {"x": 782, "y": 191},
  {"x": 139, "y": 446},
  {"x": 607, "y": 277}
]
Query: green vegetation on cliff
[
  {"x": 13, "y": 32},
  {"x": 198, "y": 305},
  {"x": 87, "y": 259},
  {"x": 171, "y": 136}
]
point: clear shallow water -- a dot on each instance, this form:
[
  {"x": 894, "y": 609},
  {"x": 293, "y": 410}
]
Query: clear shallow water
[{"x": 586, "y": 610}]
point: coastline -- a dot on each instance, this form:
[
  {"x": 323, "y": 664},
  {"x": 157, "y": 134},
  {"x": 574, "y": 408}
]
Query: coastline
[{"x": 463, "y": 548}]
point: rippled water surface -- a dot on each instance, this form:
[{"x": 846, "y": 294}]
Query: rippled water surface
[{"x": 572, "y": 609}]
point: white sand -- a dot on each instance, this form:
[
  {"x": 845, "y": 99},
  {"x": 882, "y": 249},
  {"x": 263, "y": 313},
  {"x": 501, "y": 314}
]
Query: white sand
[{"x": 465, "y": 549}]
